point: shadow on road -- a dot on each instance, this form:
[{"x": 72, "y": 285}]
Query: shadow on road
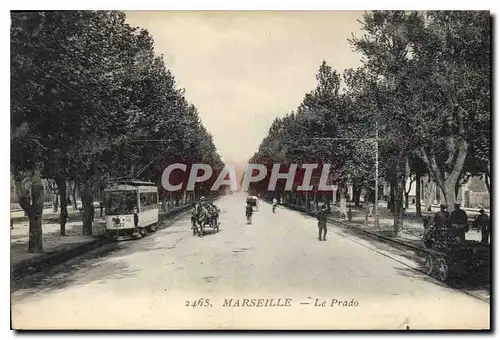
[
  {"x": 71, "y": 273},
  {"x": 96, "y": 265}
]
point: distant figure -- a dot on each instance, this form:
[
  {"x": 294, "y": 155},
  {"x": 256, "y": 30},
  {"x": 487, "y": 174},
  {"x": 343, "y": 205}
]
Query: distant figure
[
  {"x": 482, "y": 223},
  {"x": 442, "y": 217},
  {"x": 136, "y": 217},
  {"x": 343, "y": 208},
  {"x": 101, "y": 206},
  {"x": 275, "y": 203},
  {"x": 11, "y": 224},
  {"x": 248, "y": 213},
  {"x": 370, "y": 210},
  {"x": 322, "y": 223},
  {"x": 458, "y": 220},
  {"x": 63, "y": 219}
]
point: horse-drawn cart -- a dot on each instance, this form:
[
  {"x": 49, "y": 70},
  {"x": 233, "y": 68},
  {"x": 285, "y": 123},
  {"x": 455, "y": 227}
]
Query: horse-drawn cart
[
  {"x": 449, "y": 257},
  {"x": 204, "y": 217}
]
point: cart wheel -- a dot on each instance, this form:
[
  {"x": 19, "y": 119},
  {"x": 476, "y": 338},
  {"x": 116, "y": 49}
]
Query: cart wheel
[
  {"x": 112, "y": 236},
  {"x": 429, "y": 265},
  {"x": 152, "y": 228},
  {"x": 442, "y": 270}
]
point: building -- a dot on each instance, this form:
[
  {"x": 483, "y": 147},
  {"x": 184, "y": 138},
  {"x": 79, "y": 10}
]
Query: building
[
  {"x": 47, "y": 193},
  {"x": 472, "y": 194}
]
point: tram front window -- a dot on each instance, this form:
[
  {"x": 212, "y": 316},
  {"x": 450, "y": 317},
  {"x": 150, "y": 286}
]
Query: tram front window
[{"x": 120, "y": 202}]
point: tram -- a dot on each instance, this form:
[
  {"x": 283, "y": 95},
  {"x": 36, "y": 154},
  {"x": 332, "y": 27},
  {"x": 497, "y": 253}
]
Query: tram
[{"x": 131, "y": 208}]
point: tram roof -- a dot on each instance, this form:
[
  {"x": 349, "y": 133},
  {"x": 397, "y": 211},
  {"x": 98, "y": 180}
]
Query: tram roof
[{"x": 136, "y": 183}]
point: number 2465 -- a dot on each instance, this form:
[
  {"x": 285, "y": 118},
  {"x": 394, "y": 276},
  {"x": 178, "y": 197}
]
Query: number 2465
[{"x": 199, "y": 303}]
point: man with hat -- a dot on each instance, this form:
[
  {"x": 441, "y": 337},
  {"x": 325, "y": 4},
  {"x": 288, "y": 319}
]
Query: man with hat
[
  {"x": 482, "y": 222},
  {"x": 322, "y": 223},
  {"x": 458, "y": 220}
]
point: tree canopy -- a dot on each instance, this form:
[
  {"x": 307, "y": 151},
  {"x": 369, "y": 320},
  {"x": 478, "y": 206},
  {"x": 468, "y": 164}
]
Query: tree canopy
[
  {"x": 424, "y": 84},
  {"x": 91, "y": 101}
]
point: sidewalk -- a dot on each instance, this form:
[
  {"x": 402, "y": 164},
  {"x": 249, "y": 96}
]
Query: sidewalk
[
  {"x": 411, "y": 234},
  {"x": 57, "y": 248},
  {"x": 48, "y": 213}
]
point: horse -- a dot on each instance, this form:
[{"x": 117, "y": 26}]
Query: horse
[{"x": 200, "y": 216}]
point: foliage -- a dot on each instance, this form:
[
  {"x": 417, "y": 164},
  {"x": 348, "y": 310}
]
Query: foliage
[{"x": 86, "y": 88}]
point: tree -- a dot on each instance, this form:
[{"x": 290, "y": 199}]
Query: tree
[
  {"x": 86, "y": 86},
  {"x": 429, "y": 64},
  {"x": 455, "y": 57}
]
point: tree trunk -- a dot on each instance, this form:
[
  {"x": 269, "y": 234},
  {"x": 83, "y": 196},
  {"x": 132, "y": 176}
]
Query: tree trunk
[
  {"x": 418, "y": 204},
  {"x": 399, "y": 192},
  {"x": 87, "y": 205},
  {"x": 73, "y": 196},
  {"x": 356, "y": 192},
  {"x": 428, "y": 190},
  {"x": 164, "y": 203},
  {"x": 33, "y": 207},
  {"x": 63, "y": 215},
  {"x": 446, "y": 181},
  {"x": 487, "y": 182},
  {"x": 449, "y": 193},
  {"x": 55, "y": 200},
  {"x": 457, "y": 188},
  {"x": 398, "y": 208},
  {"x": 392, "y": 196}
]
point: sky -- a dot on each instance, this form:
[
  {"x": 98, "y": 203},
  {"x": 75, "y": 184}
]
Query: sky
[{"x": 244, "y": 69}]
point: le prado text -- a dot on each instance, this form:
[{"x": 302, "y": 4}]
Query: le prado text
[{"x": 287, "y": 302}]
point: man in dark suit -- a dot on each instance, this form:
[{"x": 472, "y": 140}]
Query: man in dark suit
[
  {"x": 442, "y": 217},
  {"x": 458, "y": 220},
  {"x": 322, "y": 214}
]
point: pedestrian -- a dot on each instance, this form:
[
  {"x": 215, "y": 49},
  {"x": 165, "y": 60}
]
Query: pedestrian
[
  {"x": 136, "y": 217},
  {"x": 322, "y": 223},
  {"x": 458, "y": 220},
  {"x": 482, "y": 222},
  {"x": 442, "y": 217},
  {"x": 275, "y": 203},
  {"x": 249, "y": 212},
  {"x": 343, "y": 208},
  {"x": 101, "y": 206}
]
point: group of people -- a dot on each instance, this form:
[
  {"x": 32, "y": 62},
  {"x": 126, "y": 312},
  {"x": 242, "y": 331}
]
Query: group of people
[
  {"x": 458, "y": 220},
  {"x": 249, "y": 209},
  {"x": 204, "y": 209}
]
